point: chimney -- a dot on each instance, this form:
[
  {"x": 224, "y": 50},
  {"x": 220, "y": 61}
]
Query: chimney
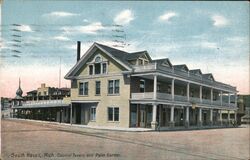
[{"x": 78, "y": 50}]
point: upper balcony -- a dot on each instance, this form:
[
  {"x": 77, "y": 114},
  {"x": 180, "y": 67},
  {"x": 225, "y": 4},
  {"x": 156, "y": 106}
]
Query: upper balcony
[
  {"x": 179, "y": 98},
  {"x": 155, "y": 67}
]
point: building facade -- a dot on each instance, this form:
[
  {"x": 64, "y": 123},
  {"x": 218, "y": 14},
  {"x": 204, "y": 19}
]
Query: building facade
[
  {"x": 110, "y": 87},
  {"x": 45, "y": 103},
  {"x": 244, "y": 109}
]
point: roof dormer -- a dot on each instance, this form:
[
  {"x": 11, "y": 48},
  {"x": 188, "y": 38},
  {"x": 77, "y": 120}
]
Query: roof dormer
[
  {"x": 164, "y": 62},
  {"x": 209, "y": 76},
  {"x": 196, "y": 72},
  {"x": 181, "y": 67}
]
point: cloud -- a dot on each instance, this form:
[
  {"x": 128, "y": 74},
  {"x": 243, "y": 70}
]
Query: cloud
[
  {"x": 237, "y": 39},
  {"x": 124, "y": 17},
  {"x": 91, "y": 28},
  {"x": 85, "y": 20},
  {"x": 70, "y": 47},
  {"x": 59, "y": 14},
  {"x": 167, "y": 16},
  {"x": 61, "y": 38},
  {"x": 219, "y": 21},
  {"x": 209, "y": 45},
  {"x": 25, "y": 28}
]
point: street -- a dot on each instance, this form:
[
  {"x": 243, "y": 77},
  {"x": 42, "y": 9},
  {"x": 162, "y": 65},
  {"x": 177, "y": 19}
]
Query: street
[{"x": 24, "y": 140}]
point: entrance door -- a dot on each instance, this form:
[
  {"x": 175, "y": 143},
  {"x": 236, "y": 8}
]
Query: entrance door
[
  {"x": 78, "y": 114},
  {"x": 142, "y": 117},
  {"x": 205, "y": 118},
  {"x": 164, "y": 117}
]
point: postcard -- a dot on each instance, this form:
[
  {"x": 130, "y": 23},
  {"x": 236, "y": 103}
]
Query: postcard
[{"x": 124, "y": 80}]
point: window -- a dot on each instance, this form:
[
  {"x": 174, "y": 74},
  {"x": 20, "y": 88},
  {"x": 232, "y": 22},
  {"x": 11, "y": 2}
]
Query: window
[
  {"x": 113, "y": 87},
  {"x": 104, "y": 68},
  {"x": 90, "y": 69},
  {"x": 110, "y": 87},
  {"x": 98, "y": 59},
  {"x": 140, "y": 61},
  {"x": 98, "y": 87},
  {"x": 97, "y": 68},
  {"x": 113, "y": 114},
  {"x": 93, "y": 113},
  {"x": 83, "y": 88},
  {"x": 44, "y": 93},
  {"x": 142, "y": 85},
  {"x": 110, "y": 114},
  {"x": 117, "y": 86}
]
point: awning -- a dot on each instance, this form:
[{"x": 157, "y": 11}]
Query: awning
[{"x": 42, "y": 106}]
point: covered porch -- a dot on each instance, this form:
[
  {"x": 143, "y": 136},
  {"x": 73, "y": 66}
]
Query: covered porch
[
  {"x": 55, "y": 113},
  {"x": 169, "y": 116}
]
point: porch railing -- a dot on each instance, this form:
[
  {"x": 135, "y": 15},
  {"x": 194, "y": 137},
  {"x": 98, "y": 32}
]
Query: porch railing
[
  {"x": 29, "y": 103},
  {"x": 150, "y": 95},
  {"x": 206, "y": 101},
  {"x": 178, "y": 98},
  {"x": 145, "y": 95},
  {"x": 164, "y": 96},
  {"x": 217, "y": 103},
  {"x": 140, "y": 68},
  {"x": 194, "y": 99}
]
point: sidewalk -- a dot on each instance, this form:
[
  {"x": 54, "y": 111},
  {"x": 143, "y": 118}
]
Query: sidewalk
[{"x": 87, "y": 127}]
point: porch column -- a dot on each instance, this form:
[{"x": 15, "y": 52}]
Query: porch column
[
  {"x": 220, "y": 119},
  {"x": 154, "y": 122},
  {"x": 221, "y": 98},
  {"x": 138, "y": 115},
  {"x": 201, "y": 94},
  {"x": 235, "y": 103},
  {"x": 71, "y": 114},
  {"x": 228, "y": 117},
  {"x": 160, "y": 117},
  {"x": 211, "y": 117},
  {"x": 172, "y": 89},
  {"x": 155, "y": 87},
  {"x": 188, "y": 86},
  {"x": 187, "y": 117},
  {"x": 171, "y": 124},
  {"x": 212, "y": 96},
  {"x": 200, "y": 118},
  {"x": 229, "y": 99},
  {"x": 235, "y": 117}
]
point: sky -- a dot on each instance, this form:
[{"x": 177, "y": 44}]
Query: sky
[{"x": 35, "y": 35}]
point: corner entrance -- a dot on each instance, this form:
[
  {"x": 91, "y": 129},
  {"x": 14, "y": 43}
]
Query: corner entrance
[
  {"x": 82, "y": 113},
  {"x": 140, "y": 115}
]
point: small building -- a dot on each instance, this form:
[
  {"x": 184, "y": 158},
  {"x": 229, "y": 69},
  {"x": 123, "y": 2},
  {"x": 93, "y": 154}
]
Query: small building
[
  {"x": 5, "y": 103},
  {"x": 45, "y": 103},
  {"x": 244, "y": 109}
]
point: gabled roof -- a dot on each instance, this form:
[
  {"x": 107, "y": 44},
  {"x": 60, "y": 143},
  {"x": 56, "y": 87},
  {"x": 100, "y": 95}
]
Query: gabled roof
[
  {"x": 33, "y": 91},
  {"x": 208, "y": 76},
  {"x": 181, "y": 67},
  {"x": 118, "y": 55},
  {"x": 163, "y": 61},
  {"x": 196, "y": 71},
  {"x": 136, "y": 55}
]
